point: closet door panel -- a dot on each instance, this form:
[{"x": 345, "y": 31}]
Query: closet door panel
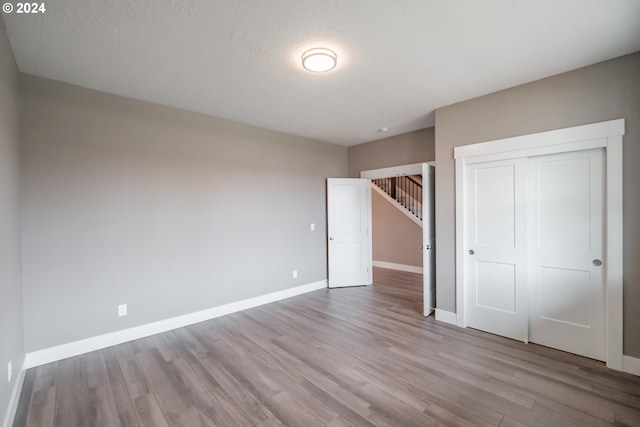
[
  {"x": 495, "y": 284},
  {"x": 567, "y": 294}
]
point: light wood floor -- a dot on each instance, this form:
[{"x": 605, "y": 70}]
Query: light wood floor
[{"x": 344, "y": 357}]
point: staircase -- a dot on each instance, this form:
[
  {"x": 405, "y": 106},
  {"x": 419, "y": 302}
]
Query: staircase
[{"x": 405, "y": 190}]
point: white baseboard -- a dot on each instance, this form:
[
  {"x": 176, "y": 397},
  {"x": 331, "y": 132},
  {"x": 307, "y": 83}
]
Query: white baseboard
[
  {"x": 631, "y": 365},
  {"x": 400, "y": 267},
  {"x": 446, "y": 317},
  {"x": 52, "y": 354},
  {"x": 14, "y": 400}
]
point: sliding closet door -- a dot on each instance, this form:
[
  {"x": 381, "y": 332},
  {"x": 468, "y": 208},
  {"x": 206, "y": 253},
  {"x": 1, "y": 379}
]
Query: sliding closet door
[
  {"x": 495, "y": 247},
  {"x": 567, "y": 299}
]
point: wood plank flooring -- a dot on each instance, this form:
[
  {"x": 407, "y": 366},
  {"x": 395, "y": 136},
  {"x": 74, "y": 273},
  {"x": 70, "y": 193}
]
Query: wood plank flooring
[{"x": 360, "y": 356}]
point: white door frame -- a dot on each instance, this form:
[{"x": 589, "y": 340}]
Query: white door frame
[
  {"x": 607, "y": 135},
  {"x": 412, "y": 169}
]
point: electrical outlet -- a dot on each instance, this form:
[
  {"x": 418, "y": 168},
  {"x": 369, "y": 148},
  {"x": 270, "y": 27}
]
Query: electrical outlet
[
  {"x": 295, "y": 274},
  {"x": 122, "y": 310},
  {"x": 9, "y": 371},
  {"x": 313, "y": 227}
]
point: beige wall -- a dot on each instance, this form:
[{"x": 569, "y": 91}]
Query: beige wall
[
  {"x": 396, "y": 238},
  {"x": 605, "y": 91},
  {"x": 11, "y": 334},
  {"x": 167, "y": 211},
  {"x": 405, "y": 149}
]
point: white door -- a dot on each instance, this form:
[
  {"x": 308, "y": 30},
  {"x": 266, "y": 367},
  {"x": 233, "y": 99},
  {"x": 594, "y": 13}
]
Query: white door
[
  {"x": 428, "y": 238},
  {"x": 349, "y": 231},
  {"x": 567, "y": 299},
  {"x": 534, "y": 239},
  {"x": 495, "y": 247}
]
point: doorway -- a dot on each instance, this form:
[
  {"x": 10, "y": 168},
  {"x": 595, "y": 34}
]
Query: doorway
[{"x": 419, "y": 240}]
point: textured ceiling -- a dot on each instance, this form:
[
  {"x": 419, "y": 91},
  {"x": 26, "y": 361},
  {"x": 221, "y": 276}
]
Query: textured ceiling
[{"x": 240, "y": 59}]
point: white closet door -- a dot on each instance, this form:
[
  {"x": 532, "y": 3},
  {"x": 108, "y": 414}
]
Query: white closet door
[
  {"x": 495, "y": 247},
  {"x": 567, "y": 299}
]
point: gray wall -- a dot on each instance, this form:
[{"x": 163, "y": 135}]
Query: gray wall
[
  {"x": 11, "y": 335},
  {"x": 396, "y": 238},
  {"x": 405, "y": 149},
  {"x": 605, "y": 91},
  {"x": 167, "y": 211}
]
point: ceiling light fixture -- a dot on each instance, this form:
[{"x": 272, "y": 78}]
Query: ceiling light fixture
[{"x": 319, "y": 60}]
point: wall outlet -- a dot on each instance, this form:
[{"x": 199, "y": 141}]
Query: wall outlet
[
  {"x": 9, "y": 371},
  {"x": 313, "y": 227},
  {"x": 122, "y": 310},
  {"x": 295, "y": 274}
]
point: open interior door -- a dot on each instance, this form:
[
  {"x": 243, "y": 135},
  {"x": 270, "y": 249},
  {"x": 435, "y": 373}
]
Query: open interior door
[
  {"x": 428, "y": 238},
  {"x": 349, "y": 232}
]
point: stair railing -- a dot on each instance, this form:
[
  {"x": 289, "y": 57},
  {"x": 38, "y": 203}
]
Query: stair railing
[{"x": 406, "y": 190}]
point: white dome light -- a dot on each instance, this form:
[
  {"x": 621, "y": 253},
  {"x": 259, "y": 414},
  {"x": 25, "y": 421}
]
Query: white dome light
[{"x": 319, "y": 60}]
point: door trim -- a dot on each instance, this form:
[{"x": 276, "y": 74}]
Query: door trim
[
  {"x": 412, "y": 169},
  {"x": 607, "y": 135}
]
